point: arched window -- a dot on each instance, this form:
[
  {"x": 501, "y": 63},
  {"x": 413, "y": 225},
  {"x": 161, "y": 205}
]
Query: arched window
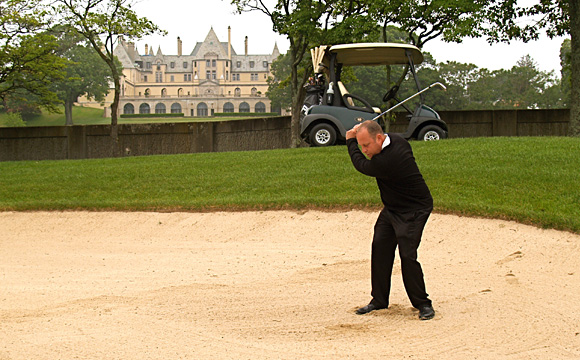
[
  {"x": 175, "y": 108},
  {"x": 128, "y": 109},
  {"x": 147, "y": 92},
  {"x": 163, "y": 92},
  {"x": 180, "y": 92},
  {"x": 201, "y": 109},
  {"x": 144, "y": 109},
  {"x": 238, "y": 92},
  {"x": 254, "y": 91},
  {"x": 160, "y": 108},
  {"x": 229, "y": 107},
  {"x": 244, "y": 107},
  {"x": 260, "y": 107}
]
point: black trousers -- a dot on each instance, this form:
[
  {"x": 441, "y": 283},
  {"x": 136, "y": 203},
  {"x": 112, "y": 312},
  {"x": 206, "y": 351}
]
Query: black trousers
[{"x": 403, "y": 230}]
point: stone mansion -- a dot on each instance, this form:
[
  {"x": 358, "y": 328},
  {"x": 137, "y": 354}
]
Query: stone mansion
[{"x": 212, "y": 79}]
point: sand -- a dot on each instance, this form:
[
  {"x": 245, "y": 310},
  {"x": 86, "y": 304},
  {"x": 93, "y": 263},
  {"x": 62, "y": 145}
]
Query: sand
[{"x": 278, "y": 285}]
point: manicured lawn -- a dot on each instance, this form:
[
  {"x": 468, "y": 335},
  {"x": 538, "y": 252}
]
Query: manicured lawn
[
  {"x": 92, "y": 116},
  {"x": 531, "y": 180}
]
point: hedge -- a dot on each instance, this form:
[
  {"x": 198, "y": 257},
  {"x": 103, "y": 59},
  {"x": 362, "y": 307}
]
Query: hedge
[
  {"x": 152, "y": 115},
  {"x": 247, "y": 114}
]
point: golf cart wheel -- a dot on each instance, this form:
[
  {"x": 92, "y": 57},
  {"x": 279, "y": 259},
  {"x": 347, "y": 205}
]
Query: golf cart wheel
[
  {"x": 431, "y": 133},
  {"x": 323, "y": 135}
]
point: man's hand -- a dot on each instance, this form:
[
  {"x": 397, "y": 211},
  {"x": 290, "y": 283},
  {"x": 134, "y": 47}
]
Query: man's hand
[{"x": 351, "y": 134}]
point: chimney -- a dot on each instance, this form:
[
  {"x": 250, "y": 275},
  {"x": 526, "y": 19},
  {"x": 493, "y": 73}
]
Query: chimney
[
  {"x": 178, "y": 46},
  {"x": 246, "y": 45},
  {"x": 131, "y": 50},
  {"x": 230, "y": 43},
  {"x": 146, "y": 49}
]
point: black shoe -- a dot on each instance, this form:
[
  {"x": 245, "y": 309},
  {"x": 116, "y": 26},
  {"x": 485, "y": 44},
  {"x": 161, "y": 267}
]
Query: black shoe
[
  {"x": 367, "y": 309},
  {"x": 426, "y": 312}
]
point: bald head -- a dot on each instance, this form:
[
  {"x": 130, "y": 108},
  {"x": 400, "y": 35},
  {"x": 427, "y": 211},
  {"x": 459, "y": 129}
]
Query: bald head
[
  {"x": 372, "y": 127},
  {"x": 370, "y": 137}
]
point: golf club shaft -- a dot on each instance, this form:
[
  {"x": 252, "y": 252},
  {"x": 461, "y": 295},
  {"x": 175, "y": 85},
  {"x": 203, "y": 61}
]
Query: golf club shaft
[{"x": 410, "y": 97}]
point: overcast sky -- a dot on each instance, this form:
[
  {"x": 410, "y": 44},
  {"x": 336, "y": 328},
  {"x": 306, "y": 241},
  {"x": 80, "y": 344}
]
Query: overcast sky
[{"x": 191, "y": 20}]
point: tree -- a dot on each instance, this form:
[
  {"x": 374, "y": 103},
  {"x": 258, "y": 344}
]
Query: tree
[
  {"x": 28, "y": 59},
  {"x": 101, "y": 22},
  {"x": 306, "y": 23},
  {"x": 279, "y": 91},
  {"x": 425, "y": 20},
  {"x": 509, "y": 21},
  {"x": 86, "y": 73},
  {"x": 566, "y": 72}
]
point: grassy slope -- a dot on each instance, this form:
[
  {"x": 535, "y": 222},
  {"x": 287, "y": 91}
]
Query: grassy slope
[
  {"x": 531, "y": 180},
  {"x": 92, "y": 116}
]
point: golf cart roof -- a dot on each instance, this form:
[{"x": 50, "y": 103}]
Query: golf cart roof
[{"x": 376, "y": 54}]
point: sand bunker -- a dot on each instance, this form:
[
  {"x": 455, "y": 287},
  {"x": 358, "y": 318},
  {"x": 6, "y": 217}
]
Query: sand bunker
[{"x": 277, "y": 285}]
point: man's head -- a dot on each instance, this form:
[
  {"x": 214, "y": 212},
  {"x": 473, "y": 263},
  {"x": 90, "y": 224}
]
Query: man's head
[{"x": 370, "y": 137}]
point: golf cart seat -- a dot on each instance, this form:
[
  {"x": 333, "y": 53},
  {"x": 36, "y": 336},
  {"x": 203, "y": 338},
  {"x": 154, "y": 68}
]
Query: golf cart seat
[{"x": 349, "y": 102}]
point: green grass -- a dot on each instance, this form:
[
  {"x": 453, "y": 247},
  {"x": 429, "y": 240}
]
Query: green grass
[
  {"x": 92, "y": 116},
  {"x": 530, "y": 180}
]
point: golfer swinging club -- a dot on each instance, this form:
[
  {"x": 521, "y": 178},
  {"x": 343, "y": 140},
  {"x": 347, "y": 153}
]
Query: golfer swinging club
[{"x": 407, "y": 206}]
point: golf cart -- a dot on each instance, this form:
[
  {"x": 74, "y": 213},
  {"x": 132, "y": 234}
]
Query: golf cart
[{"x": 329, "y": 110}]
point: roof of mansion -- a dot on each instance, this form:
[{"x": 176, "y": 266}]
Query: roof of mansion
[{"x": 210, "y": 48}]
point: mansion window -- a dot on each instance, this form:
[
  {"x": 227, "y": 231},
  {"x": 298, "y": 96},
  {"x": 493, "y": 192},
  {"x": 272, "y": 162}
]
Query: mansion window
[
  {"x": 265, "y": 64},
  {"x": 213, "y": 63},
  {"x": 172, "y": 65},
  {"x": 144, "y": 109},
  {"x": 145, "y": 78},
  {"x": 128, "y": 109},
  {"x": 160, "y": 108},
  {"x": 238, "y": 64},
  {"x": 235, "y": 77},
  {"x": 175, "y": 108},
  {"x": 228, "y": 107},
  {"x": 254, "y": 77},
  {"x": 213, "y": 74},
  {"x": 158, "y": 76},
  {"x": 186, "y": 77},
  {"x": 172, "y": 78},
  {"x": 207, "y": 63},
  {"x": 251, "y": 64},
  {"x": 244, "y": 107},
  {"x": 202, "y": 109},
  {"x": 208, "y": 74},
  {"x": 148, "y": 65},
  {"x": 185, "y": 64}
]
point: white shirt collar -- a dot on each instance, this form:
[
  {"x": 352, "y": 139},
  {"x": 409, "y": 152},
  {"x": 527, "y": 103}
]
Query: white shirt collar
[{"x": 387, "y": 141}]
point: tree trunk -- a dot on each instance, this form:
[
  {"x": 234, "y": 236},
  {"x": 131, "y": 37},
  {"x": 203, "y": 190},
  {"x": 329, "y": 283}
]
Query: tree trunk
[
  {"x": 115, "y": 104},
  {"x": 68, "y": 104},
  {"x": 294, "y": 89},
  {"x": 574, "y": 126},
  {"x": 297, "y": 102}
]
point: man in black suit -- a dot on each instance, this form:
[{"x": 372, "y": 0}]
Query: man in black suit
[{"x": 407, "y": 205}]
